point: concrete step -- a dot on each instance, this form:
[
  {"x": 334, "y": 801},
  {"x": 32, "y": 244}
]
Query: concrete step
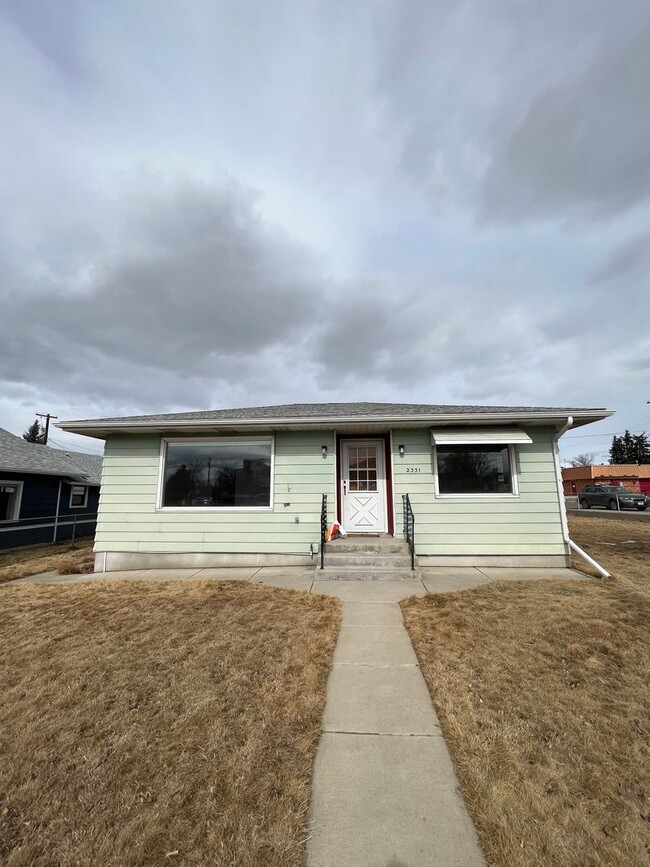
[
  {"x": 341, "y": 559},
  {"x": 361, "y": 573},
  {"x": 367, "y": 545}
]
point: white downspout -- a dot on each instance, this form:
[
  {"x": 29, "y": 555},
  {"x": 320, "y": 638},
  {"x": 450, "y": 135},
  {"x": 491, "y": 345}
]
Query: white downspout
[{"x": 560, "y": 492}]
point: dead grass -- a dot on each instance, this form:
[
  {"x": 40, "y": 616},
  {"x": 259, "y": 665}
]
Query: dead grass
[
  {"x": 62, "y": 558},
  {"x": 543, "y": 693},
  {"x": 621, "y": 546},
  {"x": 151, "y": 724}
]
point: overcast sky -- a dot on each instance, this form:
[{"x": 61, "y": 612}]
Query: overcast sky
[{"x": 214, "y": 204}]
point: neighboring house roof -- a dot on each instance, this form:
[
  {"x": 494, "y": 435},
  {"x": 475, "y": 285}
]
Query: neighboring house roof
[
  {"x": 89, "y": 464},
  {"x": 19, "y": 456},
  {"x": 311, "y": 416}
]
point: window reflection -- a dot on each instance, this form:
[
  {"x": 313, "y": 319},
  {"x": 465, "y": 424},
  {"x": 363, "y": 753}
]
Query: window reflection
[
  {"x": 226, "y": 474},
  {"x": 472, "y": 470}
]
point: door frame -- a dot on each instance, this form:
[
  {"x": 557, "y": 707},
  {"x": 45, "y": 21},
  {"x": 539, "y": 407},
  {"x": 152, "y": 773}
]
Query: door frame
[{"x": 388, "y": 476}]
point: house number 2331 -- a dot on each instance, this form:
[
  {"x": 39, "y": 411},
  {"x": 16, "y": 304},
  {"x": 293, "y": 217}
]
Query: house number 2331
[{"x": 414, "y": 469}]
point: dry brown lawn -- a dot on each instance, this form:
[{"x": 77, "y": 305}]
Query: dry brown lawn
[
  {"x": 543, "y": 693},
  {"x": 152, "y": 724},
  {"x": 621, "y": 545},
  {"x": 62, "y": 558}
]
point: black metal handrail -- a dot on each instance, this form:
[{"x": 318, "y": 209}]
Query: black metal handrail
[
  {"x": 323, "y": 530},
  {"x": 409, "y": 527}
]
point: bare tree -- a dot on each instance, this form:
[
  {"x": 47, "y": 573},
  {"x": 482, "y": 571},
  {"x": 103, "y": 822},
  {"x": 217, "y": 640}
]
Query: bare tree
[{"x": 585, "y": 460}]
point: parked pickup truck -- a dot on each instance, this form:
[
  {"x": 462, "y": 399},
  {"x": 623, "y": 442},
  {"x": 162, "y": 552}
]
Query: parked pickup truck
[{"x": 612, "y": 497}]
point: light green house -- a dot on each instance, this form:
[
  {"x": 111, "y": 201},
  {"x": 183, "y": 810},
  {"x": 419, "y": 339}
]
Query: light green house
[{"x": 247, "y": 486}]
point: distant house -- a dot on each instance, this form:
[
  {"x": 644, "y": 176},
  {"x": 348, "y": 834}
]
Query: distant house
[
  {"x": 248, "y": 486},
  {"x": 635, "y": 477},
  {"x": 45, "y": 494}
]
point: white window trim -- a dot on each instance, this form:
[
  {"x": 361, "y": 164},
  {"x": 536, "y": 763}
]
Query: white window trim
[
  {"x": 18, "y": 499},
  {"x": 213, "y": 509},
  {"x": 512, "y": 457},
  {"x": 72, "y": 505}
]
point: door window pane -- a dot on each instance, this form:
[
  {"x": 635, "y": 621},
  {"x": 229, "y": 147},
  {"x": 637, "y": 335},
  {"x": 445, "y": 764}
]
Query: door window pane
[{"x": 362, "y": 468}]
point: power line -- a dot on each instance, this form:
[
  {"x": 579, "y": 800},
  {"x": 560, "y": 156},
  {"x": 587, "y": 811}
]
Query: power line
[
  {"x": 591, "y": 436},
  {"x": 74, "y": 448}
]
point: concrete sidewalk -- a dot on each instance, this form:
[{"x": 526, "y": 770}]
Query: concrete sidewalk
[
  {"x": 431, "y": 579},
  {"x": 384, "y": 788}
]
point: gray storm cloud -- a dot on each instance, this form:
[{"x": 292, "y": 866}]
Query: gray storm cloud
[
  {"x": 582, "y": 147},
  {"x": 202, "y": 282},
  {"x": 390, "y": 201}
]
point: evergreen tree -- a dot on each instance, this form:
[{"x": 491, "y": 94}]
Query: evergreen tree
[
  {"x": 642, "y": 448},
  {"x": 630, "y": 449},
  {"x": 35, "y": 433}
]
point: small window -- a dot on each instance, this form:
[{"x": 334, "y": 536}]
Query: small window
[
  {"x": 218, "y": 474},
  {"x": 474, "y": 470},
  {"x": 10, "y": 494},
  {"x": 78, "y": 496}
]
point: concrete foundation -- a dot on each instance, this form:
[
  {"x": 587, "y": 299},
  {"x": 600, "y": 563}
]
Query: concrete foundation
[
  {"x": 118, "y": 561},
  {"x": 540, "y": 561}
]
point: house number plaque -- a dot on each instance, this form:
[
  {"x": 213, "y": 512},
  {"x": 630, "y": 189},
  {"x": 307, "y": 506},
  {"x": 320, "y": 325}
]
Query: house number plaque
[{"x": 414, "y": 469}]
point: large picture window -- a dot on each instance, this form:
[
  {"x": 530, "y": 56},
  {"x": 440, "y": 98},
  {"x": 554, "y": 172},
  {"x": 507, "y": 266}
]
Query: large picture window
[
  {"x": 471, "y": 469},
  {"x": 218, "y": 474}
]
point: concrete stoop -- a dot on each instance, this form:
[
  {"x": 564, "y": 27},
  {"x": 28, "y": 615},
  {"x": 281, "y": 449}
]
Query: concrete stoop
[{"x": 367, "y": 558}]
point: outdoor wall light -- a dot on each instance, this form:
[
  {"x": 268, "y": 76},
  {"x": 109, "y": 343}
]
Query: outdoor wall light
[
  {"x": 401, "y": 451},
  {"x": 324, "y": 450}
]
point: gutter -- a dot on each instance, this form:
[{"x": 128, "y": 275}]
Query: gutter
[{"x": 560, "y": 490}]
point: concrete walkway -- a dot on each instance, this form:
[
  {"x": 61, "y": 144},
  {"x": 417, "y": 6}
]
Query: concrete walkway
[
  {"x": 384, "y": 788},
  {"x": 438, "y": 579},
  {"x": 385, "y": 793}
]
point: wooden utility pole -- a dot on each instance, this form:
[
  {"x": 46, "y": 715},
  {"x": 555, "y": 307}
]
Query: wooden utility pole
[{"x": 47, "y": 416}]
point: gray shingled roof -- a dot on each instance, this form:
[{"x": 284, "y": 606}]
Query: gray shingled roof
[
  {"x": 330, "y": 410},
  {"x": 17, "y": 455}
]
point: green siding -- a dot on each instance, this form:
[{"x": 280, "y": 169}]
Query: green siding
[
  {"x": 527, "y": 524},
  {"x": 129, "y": 520}
]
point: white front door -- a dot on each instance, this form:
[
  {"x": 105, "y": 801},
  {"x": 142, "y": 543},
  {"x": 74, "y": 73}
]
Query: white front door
[{"x": 364, "y": 486}]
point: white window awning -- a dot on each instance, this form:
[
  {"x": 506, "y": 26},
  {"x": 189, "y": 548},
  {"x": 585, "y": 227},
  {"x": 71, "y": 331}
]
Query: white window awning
[{"x": 479, "y": 437}]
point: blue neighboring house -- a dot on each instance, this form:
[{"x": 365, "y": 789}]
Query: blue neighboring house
[{"x": 46, "y": 494}]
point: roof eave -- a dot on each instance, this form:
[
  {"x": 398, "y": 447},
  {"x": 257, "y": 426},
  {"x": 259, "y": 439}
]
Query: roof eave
[
  {"x": 74, "y": 477},
  {"x": 102, "y": 429}
]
